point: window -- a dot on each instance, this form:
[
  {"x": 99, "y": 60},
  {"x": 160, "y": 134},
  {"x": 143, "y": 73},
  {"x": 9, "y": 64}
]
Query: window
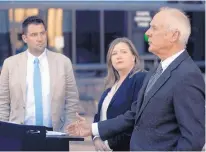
[
  {"x": 88, "y": 36},
  {"x": 19, "y": 14},
  {"x": 5, "y": 45},
  {"x": 54, "y": 29},
  {"x": 196, "y": 43},
  {"x": 115, "y": 25},
  {"x": 67, "y": 33},
  {"x": 59, "y": 27}
]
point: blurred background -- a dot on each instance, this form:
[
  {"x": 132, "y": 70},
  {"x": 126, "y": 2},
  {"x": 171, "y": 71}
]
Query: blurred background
[{"x": 82, "y": 30}]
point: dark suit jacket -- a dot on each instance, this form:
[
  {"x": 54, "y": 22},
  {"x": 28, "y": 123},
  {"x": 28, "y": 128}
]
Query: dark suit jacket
[
  {"x": 120, "y": 103},
  {"x": 171, "y": 116}
]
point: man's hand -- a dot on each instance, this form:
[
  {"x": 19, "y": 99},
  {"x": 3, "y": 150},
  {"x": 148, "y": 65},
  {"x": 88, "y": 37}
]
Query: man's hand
[
  {"x": 79, "y": 128},
  {"x": 100, "y": 145}
]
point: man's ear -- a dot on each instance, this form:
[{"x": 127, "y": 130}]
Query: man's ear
[
  {"x": 24, "y": 38},
  {"x": 175, "y": 36},
  {"x": 134, "y": 58}
]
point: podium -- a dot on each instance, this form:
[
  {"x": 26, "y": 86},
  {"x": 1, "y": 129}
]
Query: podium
[{"x": 15, "y": 137}]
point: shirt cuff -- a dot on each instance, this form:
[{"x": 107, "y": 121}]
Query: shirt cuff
[
  {"x": 95, "y": 137},
  {"x": 95, "y": 130}
]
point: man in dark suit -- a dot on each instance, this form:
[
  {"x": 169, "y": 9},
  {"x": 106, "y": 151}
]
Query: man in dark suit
[{"x": 170, "y": 111}]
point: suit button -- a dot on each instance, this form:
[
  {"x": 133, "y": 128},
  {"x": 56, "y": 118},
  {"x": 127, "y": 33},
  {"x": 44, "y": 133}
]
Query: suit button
[{"x": 136, "y": 127}]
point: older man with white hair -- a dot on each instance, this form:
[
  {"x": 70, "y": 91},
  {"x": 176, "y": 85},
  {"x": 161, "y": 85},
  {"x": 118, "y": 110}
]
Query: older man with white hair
[{"x": 169, "y": 114}]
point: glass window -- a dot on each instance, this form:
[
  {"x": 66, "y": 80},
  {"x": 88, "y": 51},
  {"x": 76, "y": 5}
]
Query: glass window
[
  {"x": 67, "y": 33},
  {"x": 5, "y": 45},
  {"x": 59, "y": 27},
  {"x": 54, "y": 29},
  {"x": 115, "y": 25},
  {"x": 141, "y": 21},
  {"x": 21, "y": 13},
  {"x": 88, "y": 36},
  {"x": 196, "y": 43}
]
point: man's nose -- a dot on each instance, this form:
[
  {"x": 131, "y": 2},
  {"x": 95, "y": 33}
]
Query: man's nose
[
  {"x": 39, "y": 38},
  {"x": 147, "y": 33}
]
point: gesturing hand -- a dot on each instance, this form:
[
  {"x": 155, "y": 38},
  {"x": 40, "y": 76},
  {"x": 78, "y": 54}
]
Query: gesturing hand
[{"x": 79, "y": 128}]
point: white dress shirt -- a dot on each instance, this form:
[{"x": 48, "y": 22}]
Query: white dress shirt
[
  {"x": 45, "y": 80},
  {"x": 169, "y": 60},
  {"x": 106, "y": 102},
  {"x": 165, "y": 64},
  {"x": 105, "y": 105}
]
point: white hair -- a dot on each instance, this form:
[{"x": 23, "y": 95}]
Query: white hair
[{"x": 180, "y": 21}]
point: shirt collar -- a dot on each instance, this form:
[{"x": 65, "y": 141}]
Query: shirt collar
[
  {"x": 169, "y": 60},
  {"x": 41, "y": 57}
]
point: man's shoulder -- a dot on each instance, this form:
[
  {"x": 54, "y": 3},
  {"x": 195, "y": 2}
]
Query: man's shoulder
[
  {"x": 58, "y": 56},
  {"x": 188, "y": 70},
  {"x": 14, "y": 58},
  {"x": 189, "y": 66}
]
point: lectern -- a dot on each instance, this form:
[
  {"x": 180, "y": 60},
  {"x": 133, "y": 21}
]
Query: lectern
[{"x": 15, "y": 137}]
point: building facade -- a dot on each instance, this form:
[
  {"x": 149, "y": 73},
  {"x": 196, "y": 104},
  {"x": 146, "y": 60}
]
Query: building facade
[{"x": 83, "y": 30}]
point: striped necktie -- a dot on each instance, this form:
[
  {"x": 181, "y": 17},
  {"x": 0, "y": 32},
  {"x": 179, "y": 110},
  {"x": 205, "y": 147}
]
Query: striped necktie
[{"x": 154, "y": 78}]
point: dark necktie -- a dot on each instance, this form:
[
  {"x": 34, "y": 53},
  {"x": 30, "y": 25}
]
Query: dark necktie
[{"x": 154, "y": 78}]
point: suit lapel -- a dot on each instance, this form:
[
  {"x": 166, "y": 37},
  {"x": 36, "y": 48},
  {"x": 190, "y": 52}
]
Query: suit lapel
[
  {"x": 119, "y": 90},
  {"x": 142, "y": 90},
  {"x": 163, "y": 78},
  {"x": 102, "y": 99},
  {"x": 22, "y": 65},
  {"x": 52, "y": 72},
  {"x": 161, "y": 81}
]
